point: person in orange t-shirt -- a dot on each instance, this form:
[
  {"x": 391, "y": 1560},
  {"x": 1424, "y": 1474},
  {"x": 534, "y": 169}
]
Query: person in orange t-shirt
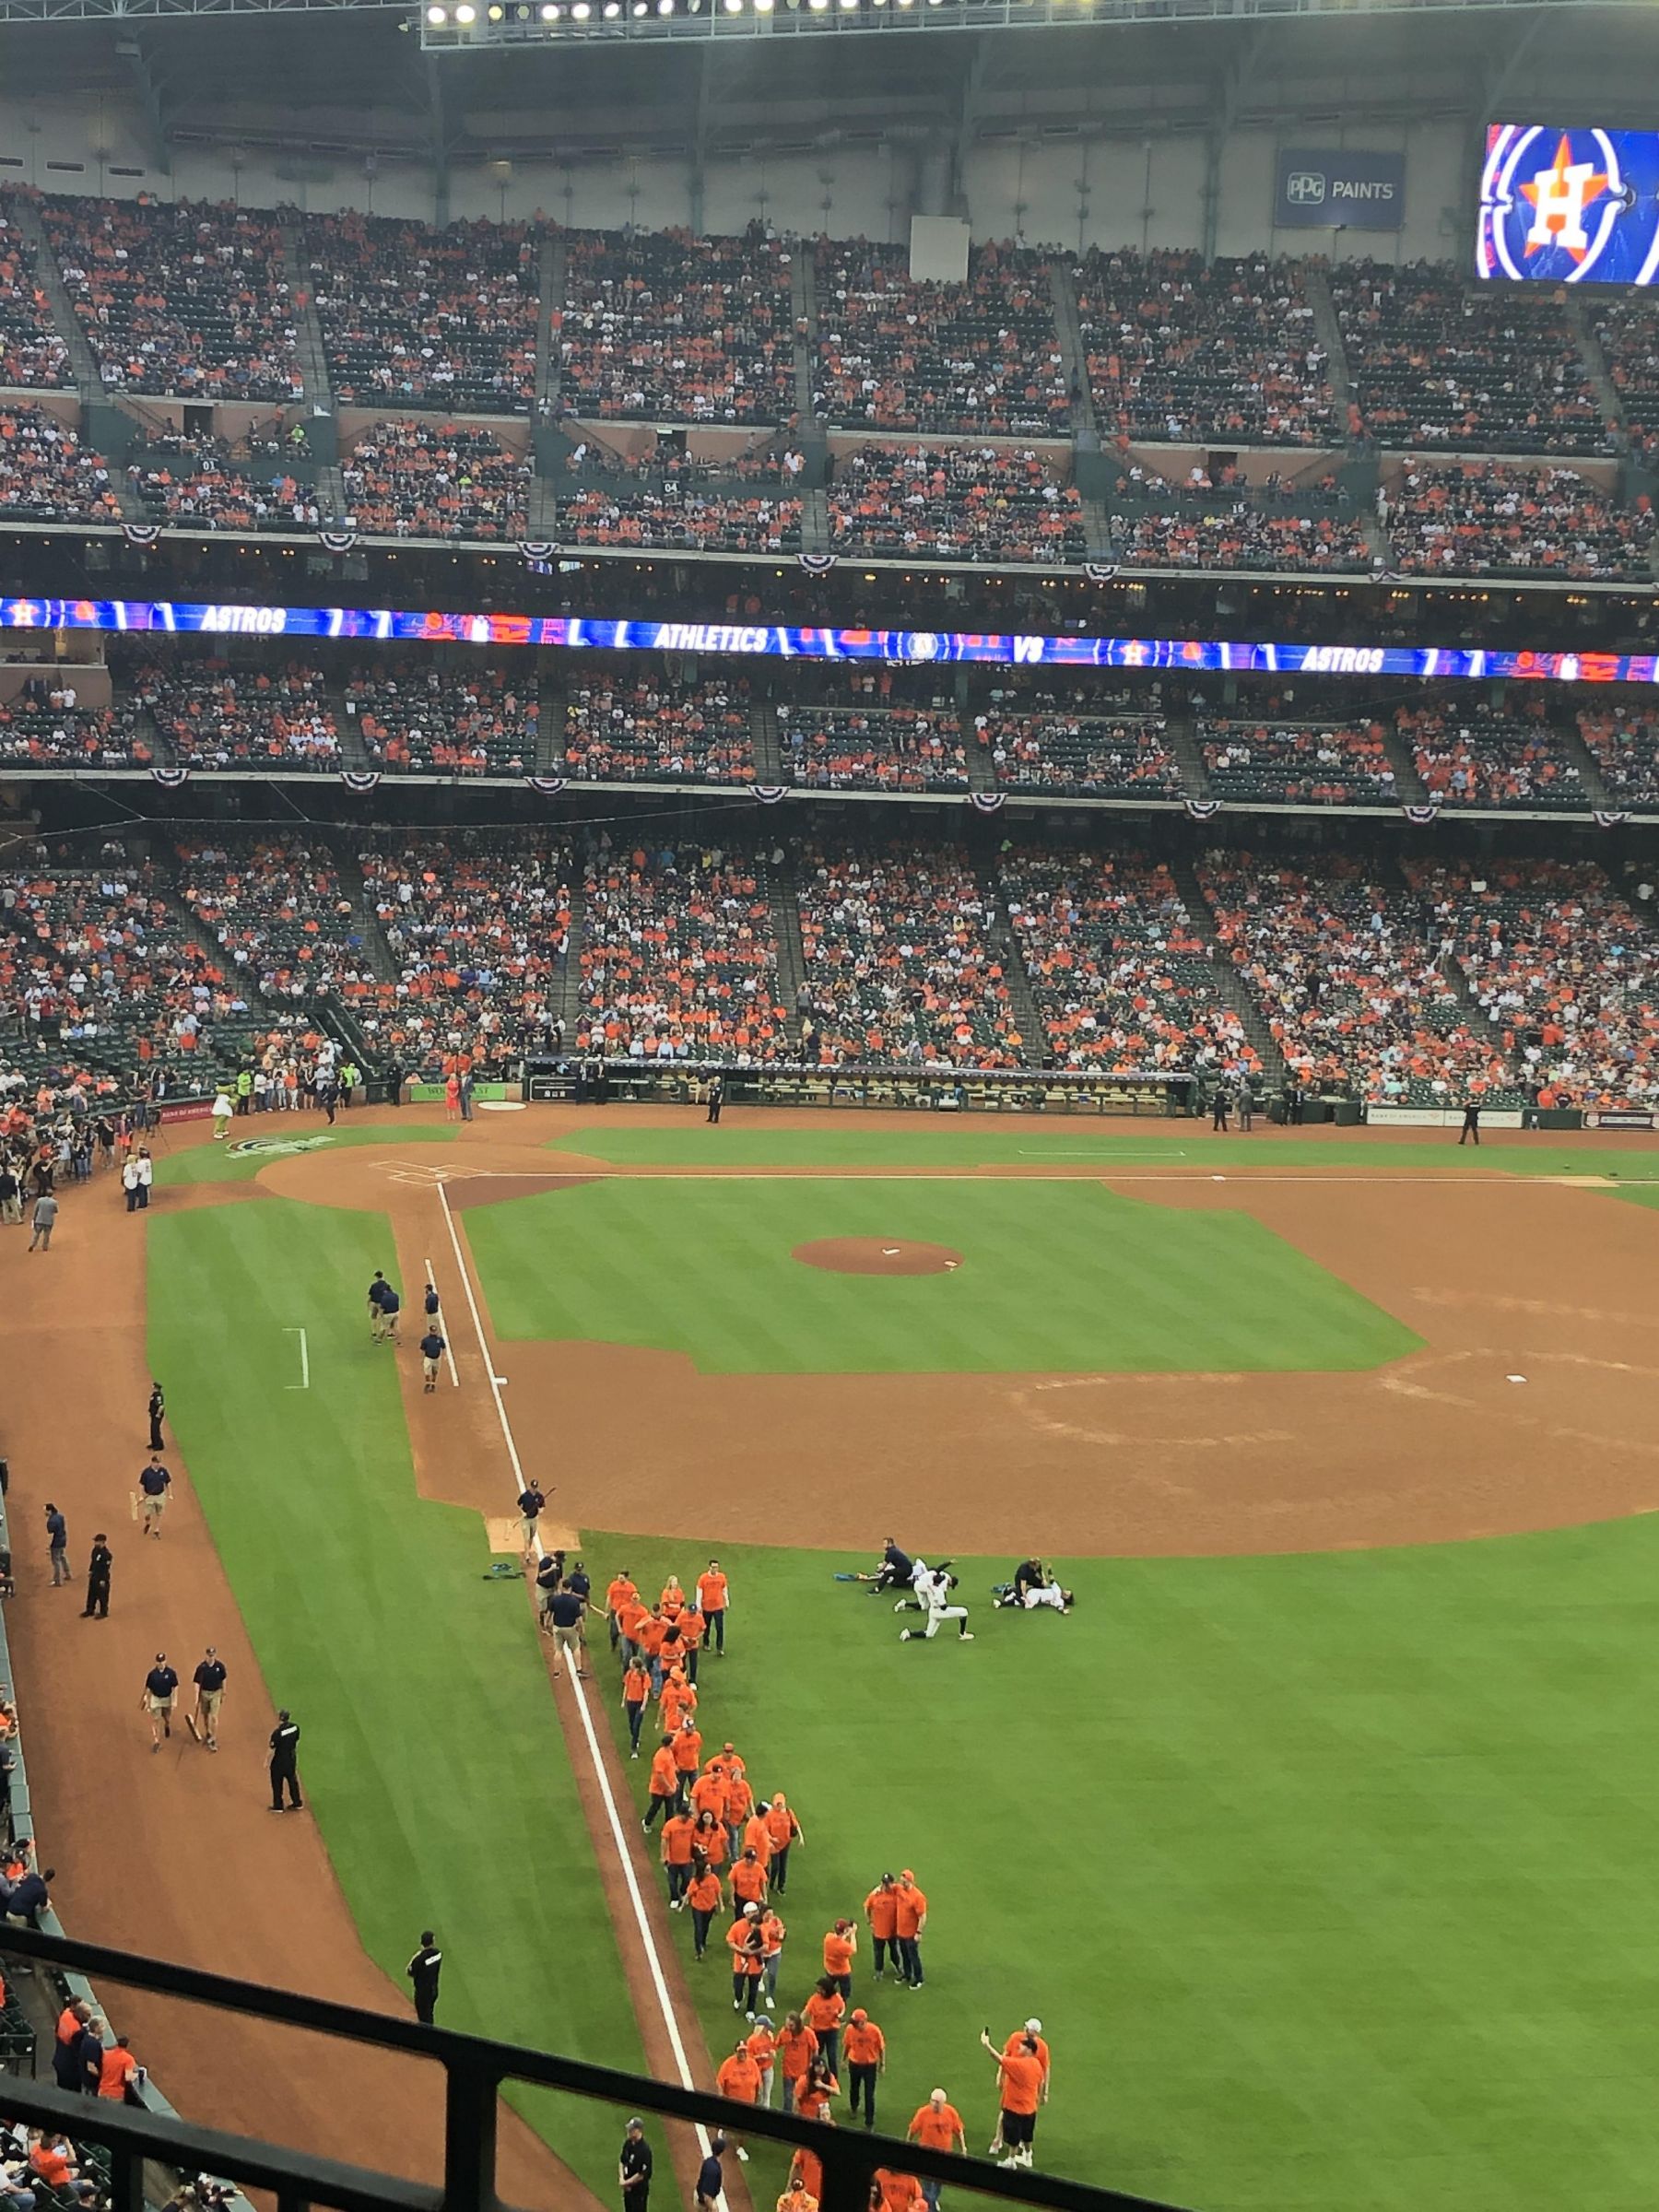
[
  {"x": 680, "y": 1701},
  {"x": 705, "y": 1896},
  {"x": 785, "y": 1831},
  {"x": 690, "y": 1627},
  {"x": 797, "y": 2047},
  {"x": 823, "y": 2012},
  {"x": 806, "y": 2176},
  {"x": 679, "y": 1833},
  {"x": 910, "y": 1923},
  {"x": 1019, "y": 2089},
  {"x": 938, "y": 2125},
  {"x": 636, "y": 1694},
  {"x": 881, "y": 1909},
  {"x": 797, "y": 2197},
  {"x": 738, "y": 2077},
  {"x": 896, "y": 2192},
  {"x": 812, "y": 2099},
  {"x": 1017, "y": 2042},
  {"x": 631, "y": 1616},
  {"x": 840, "y": 1945},
  {"x": 617, "y": 1592},
  {"x": 757, "y": 1837},
  {"x": 709, "y": 1794},
  {"x": 713, "y": 1602},
  {"x": 866, "y": 2056},
  {"x": 748, "y": 1957},
  {"x": 116, "y": 2069},
  {"x": 665, "y": 1784},
  {"x": 763, "y": 2046},
  {"x": 712, "y": 1846},
  {"x": 688, "y": 1750},
  {"x": 748, "y": 1881}
]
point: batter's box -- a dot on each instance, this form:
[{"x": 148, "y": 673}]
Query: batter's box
[{"x": 426, "y": 1179}]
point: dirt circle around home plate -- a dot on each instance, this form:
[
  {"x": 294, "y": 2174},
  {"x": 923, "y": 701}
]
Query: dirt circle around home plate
[{"x": 872, "y": 1255}]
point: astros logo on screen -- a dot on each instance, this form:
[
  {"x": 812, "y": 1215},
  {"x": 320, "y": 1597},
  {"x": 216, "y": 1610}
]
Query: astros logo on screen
[{"x": 1567, "y": 206}]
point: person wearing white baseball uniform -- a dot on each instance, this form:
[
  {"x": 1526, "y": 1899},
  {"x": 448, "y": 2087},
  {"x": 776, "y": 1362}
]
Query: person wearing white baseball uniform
[{"x": 935, "y": 1593}]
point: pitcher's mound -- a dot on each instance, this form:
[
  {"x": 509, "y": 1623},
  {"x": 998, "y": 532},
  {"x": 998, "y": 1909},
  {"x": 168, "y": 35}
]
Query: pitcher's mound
[{"x": 869, "y": 1255}]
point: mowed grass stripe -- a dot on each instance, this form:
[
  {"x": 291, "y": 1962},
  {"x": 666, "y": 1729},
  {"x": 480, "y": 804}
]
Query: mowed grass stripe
[
  {"x": 279, "y": 1136},
  {"x": 1317, "y": 1876},
  {"x": 1017, "y": 1140},
  {"x": 431, "y": 1752},
  {"x": 1055, "y": 1276}
]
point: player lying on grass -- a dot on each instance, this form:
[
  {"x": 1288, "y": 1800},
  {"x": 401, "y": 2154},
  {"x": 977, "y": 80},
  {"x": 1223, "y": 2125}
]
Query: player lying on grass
[
  {"x": 894, "y": 1570},
  {"x": 1034, "y": 1585}
]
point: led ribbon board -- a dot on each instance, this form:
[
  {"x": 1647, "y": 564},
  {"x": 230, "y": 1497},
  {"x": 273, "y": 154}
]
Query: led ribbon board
[{"x": 386, "y": 625}]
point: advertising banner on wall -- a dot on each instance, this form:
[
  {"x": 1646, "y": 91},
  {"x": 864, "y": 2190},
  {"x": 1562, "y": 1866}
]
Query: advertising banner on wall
[{"x": 1330, "y": 188}]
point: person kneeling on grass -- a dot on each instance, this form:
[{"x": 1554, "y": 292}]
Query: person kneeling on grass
[{"x": 933, "y": 1592}]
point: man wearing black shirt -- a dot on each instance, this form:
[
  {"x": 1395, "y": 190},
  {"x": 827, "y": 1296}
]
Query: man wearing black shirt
[
  {"x": 565, "y": 1610},
  {"x": 423, "y": 1971},
  {"x": 546, "y": 1583},
  {"x": 98, "y": 1580},
  {"x": 711, "y": 2180},
  {"x": 160, "y": 1686},
  {"x": 530, "y": 1504},
  {"x": 157, "y": 1406},
  {"x": 210, "y": 1690},
  {"x": 633, "y": 2168},
  {"x": 285, "y": 1764},
  {"x": 154, "y": 1482}
]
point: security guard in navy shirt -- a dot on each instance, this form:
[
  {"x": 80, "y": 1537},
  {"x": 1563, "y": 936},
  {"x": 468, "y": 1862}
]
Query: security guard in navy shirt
[
  {"x": 285, "y": 1764},
  {"x": 423, "y": 1971},
  {"x": 633, "y": 2168}
]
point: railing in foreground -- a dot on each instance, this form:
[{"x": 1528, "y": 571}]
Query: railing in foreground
[{"x": 474, "y": 2070}]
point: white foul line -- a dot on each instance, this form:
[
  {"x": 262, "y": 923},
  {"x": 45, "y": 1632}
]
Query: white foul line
[
  {"x": 448, "y": 1348},
  {"x": 653, "y": 1959},
  {"x": 304, "y": 1381}
]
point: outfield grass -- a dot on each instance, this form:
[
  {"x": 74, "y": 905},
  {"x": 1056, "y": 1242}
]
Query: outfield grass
[
  {"x": 1054, "y": 1275},
  {"x": 255, "y": 1142},
  {"x": 1321, "y": 1872},
  {"x": 985, "y": 1140},
  {"x": 431, "y": 1753}
]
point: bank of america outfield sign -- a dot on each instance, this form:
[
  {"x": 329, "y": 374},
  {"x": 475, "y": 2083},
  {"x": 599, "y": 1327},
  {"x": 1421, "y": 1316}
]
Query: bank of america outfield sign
[{"x": 1324, "y": 188}]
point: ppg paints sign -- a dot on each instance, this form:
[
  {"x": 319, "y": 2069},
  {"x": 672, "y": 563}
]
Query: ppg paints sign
[{"x": 1335, "y": 190}]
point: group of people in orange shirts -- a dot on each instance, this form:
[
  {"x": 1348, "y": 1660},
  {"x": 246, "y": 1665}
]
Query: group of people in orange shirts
[{"x": 722, "y": 1844}]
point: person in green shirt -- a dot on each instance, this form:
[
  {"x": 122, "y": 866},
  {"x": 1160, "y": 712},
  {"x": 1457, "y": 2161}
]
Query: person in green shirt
[{"x": 244, "y": 1090}]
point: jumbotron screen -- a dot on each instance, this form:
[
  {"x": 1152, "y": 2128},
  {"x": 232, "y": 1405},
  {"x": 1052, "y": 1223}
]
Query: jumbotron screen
[{"x": 1575, "y": 206}]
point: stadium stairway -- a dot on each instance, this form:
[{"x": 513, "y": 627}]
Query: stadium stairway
[
  {"x": 1075, "y": 367},
  {"x": 1410, "y": 786},
  {"x": 366, "y": 930},
  {"x": 803, "y": 301},
  {"x": 550, "y": 301},
  {"x": 1329, "y": 333},
  {"x": 1184, "y": 743},
  {"x": 815, "y": 523},
  {"x": 1033, "y": 1030},
  {"x": 569, "y": 1009},
  {"x": 313, "y": 361},
  {"x": 782, "y": 896},
  {"x": 354, "y": 753},
  {"x": 763, "y": 738},
  {"x": 1574, "y": 749},
  {"x": 1230, "y": 985},
  {"x": 1596, "y": 360},
  {"x": 23, "y": 211},
  {"x": 544, "y": 510},
  {"x": 550, "y": 725}
]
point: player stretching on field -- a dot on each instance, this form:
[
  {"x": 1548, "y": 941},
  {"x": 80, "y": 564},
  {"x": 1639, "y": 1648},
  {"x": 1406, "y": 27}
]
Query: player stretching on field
[{"x": 933, "y": 1590}]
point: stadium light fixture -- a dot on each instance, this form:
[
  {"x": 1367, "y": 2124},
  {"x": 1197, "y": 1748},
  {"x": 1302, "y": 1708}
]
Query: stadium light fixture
[
  {"x": 497, "y": 13},
  {"x": 466, "y": 14},
  {"x": 437, "y": 17}
]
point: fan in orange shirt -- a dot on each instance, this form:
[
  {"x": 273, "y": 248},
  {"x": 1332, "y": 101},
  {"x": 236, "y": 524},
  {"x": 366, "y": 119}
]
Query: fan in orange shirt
[
  {"x": 823, "y": 2012},
  {"x": 797, "y": 2047},
  {"x": 1019, "y": 2090},
  {"x": 839, "y": 1946},
  {"x": 866, "y": 2056},
  {"x": 881, "y": 1909},
  {"x": 785, "y": 1831},
  {"x": 713, "y": 1602},
  {"x": 896, "y": 2191},
  {"x": 739, "y": 2079},
  {"x": 1016, "y": 2042}
]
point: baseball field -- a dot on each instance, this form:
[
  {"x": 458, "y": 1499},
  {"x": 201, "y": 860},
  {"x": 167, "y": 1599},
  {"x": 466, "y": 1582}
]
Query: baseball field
[{"x": 1312, "y": 1834}]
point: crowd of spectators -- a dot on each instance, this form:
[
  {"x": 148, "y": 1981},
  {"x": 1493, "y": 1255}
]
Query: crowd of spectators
[
  {"x": 480, "y": 928},
  {"x": 681, "y": 518},
  {"x": 418, "y": 478},
  {"x": 468, "y": 720},
  {"x": 1276, "y": 759},
  {"x": 1623, "y": 741},
  {"x": 1354, "y": 987},
  {"x": 209, "y": 714},
  {"x": 1123, "y": 981},
  {"x": 1470, "y": 752},
  {"x": 194, "y": 482},
  {"x": 903, "y": 961},
  {"x": 423, "y": 317},
  {"x": 1470, "y": 519},
  {"x": 279, "y": 911},
  {"x": 679, "y": 958},
  {"x": 898, "y": 355},
  {"x": 1223, "y": 532},
  {"x": 1629, "y": 343},
  {"x": 663, "y": 327},
  {"x": 870, "y": 725},
  {"x": 665, "y": 458},
  {"x": 622, "y": 721},
  {"x": 47, "y": 474},
  {"x": 31, "y": 351},
  {"x": 1564, "y": 967},
  {"x": 1432, "y": 364},
  {"x": 102, "y": 970},
  {"x": 183, "y": 298},
  {"x": 957, "y": 502},
  {"x": 1081, "y": 737},
  {"x": 1224, "y": 354},
  {"x": 43, "y": 724}
]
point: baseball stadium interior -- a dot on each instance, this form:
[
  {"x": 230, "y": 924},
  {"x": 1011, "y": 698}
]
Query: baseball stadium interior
[{"x": 1084, "y": 562}]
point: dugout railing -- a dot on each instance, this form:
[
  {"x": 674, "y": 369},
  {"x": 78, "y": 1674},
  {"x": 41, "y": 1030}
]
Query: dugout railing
[{"x": 476, "y": 2069}]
